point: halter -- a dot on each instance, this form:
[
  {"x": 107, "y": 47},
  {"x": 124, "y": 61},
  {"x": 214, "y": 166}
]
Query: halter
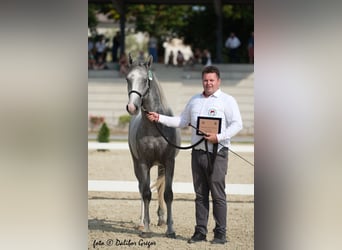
[
  {"x": 138, "y": 93},
  {"x": 148, "y": 83}
]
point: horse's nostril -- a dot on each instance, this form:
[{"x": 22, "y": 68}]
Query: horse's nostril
[{"x": 131, "y": 108}]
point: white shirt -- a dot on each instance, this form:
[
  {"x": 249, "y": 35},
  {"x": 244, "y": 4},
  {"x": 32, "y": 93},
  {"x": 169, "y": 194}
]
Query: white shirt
[
  {"x": 219, "y": 105},
  {"x": 232, "y": 42},
  {"x": 208, "y": 61},
  {"x": 100, "y": 46}
]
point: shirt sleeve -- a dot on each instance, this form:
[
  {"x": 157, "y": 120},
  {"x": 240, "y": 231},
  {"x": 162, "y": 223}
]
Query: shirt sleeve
[
  {"x": 234, "y": 121},
  {"x": 227, "y": 43},
  {"x": 170, "y": 121},
  {"x": 177, "y": 121},
  {"x": 238, "y": 43}
]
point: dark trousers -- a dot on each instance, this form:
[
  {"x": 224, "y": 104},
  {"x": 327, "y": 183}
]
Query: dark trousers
[
  {"x": 206, "y": 180},
  {"x": 233, "y": 55}
]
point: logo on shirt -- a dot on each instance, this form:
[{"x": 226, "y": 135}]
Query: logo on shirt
[{"x": 212, "y": 112}]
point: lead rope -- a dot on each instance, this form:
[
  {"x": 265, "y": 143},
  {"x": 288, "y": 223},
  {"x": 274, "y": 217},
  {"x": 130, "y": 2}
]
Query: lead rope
[
  {"x": 197, "y": 143},
  {"x": 174, "y": 145},
  {"x": 211, "y": 161},
  {"x": 166, "y": 139}
]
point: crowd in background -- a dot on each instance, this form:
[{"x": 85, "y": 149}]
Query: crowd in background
[{"x": 99, "y": 46}]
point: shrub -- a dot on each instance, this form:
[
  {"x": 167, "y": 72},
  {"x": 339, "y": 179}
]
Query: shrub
[
  {"x": 123, "y": 120},
  {"x": 104, "y": 133}
]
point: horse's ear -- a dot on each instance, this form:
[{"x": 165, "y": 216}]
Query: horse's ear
[
  {"x": 149, "y": 61},
  {"x": 130, "y": 60}
]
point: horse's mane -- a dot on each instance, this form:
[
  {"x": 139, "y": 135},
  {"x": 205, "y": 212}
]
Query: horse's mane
[{"x": 159, "y": 89}]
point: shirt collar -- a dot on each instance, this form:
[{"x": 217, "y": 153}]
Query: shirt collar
[{"x": 217, "y": 93}]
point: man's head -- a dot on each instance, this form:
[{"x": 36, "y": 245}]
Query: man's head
[{"x": 211, "y": 80}]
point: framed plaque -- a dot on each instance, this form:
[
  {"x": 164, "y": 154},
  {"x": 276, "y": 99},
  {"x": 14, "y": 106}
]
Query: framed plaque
[{"x": 208, "y": 125}]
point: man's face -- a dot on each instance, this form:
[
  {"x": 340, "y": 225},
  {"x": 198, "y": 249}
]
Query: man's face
[{"x": 211, "y": 83}]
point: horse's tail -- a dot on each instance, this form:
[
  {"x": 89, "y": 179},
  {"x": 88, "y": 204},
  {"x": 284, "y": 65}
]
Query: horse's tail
[{"x": 159, "y": 185}]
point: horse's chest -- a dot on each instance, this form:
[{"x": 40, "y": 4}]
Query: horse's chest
[{"x": 152, "y": 144}]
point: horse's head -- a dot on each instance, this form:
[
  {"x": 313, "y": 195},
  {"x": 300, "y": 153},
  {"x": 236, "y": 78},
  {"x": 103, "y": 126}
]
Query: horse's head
[{"x": 138, "y": 83}]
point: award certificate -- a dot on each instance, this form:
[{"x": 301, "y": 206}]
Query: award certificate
[{"x": 208, "y": 125}]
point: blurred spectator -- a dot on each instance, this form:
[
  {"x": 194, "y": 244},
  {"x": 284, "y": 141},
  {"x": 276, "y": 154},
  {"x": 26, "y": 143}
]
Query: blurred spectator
[
  {"x": 198, "y": 56},
  {"x": 116, "y": 46},
  {"x": 191, "y": 62},
  {"x": 153, "y": 48},
  {"x": 170, "y": 59},
  {"x": 141, "y": 56},
  {"x": 206, "y": 58},
  {"x": 180, "y": 59},
  {"x": 250, "y": 47},
  {"x": 123, "y": 64},
  {"x": 233, "y": 43},
  {"x": 101, "y": 64},
  {"x": 101, "y": 50},
  {"x": 91, "y": 53}
]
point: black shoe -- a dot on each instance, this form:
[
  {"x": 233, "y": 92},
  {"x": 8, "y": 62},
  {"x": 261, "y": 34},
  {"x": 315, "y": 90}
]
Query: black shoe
[
  {"x": 197, "y": 237},
  {"x": 221, "y": 240}
]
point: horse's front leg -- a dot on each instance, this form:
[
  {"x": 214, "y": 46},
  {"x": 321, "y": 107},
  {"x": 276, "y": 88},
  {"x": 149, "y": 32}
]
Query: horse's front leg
[
  {"x": 168, "y": 196},
  {"x": 145, "y": 191}
]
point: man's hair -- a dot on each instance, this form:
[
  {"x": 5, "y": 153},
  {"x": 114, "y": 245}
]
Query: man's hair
[{"x": 211, "y": 69}]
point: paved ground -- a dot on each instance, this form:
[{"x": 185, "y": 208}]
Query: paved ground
[{"x": 113, "y": 216}]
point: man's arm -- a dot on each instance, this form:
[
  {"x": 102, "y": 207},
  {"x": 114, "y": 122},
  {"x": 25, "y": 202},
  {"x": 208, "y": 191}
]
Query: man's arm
[
  {"x": 234, "y": 122},
  {"x": 170, "y": 121}
]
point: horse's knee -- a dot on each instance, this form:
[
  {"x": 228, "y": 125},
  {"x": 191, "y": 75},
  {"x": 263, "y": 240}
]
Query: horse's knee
[
  {"x": 168, "y": 195},
  {"x": 146, "y": 194}
]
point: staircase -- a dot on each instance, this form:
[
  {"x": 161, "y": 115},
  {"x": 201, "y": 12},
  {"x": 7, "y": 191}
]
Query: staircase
[{"x": 107, "y": 91}]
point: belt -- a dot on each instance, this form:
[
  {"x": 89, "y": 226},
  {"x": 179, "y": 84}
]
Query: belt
[{"x": 220, "y": 152}]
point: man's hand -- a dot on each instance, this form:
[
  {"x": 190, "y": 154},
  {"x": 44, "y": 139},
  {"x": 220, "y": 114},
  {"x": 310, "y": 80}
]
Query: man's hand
[
  {"x": 211, "y": 137},
  {"x": 153, "y": 116}
]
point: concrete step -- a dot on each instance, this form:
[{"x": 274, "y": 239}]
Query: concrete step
[{"x": 107, "y": 91}]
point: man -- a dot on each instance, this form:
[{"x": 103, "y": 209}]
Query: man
[
  {"x": 153, "y": 48},
  {"x": 101, "y": 48},
  {"x": 209, "y": 159},
  {"x": 233, "y": 43},
  {"x": 116, "y": 46}
]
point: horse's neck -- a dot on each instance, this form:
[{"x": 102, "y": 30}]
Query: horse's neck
[{"x": 156, "y": 100}]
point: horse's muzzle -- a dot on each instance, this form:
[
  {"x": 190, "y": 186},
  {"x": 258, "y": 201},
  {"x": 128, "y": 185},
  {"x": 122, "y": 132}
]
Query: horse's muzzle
[{"x": 132, "y": 109}]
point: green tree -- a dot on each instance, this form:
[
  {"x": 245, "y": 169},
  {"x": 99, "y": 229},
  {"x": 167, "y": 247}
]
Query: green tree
[
  {"x": 201, "y": 28},
  {"x": 160, "y": 20},
  {"x": 92, "y": 21},
  {"x": 196, "y": 24}
]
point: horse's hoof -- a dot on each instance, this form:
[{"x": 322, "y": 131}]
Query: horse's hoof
[
  {"x": 145, "y": 234},
  {"x": 140, "y": 227},
  {"x": 171, "y": 235}
]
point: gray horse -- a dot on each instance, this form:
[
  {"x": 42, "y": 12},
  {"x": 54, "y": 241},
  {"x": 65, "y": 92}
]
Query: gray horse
[{"x": 147, "y": 146}]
